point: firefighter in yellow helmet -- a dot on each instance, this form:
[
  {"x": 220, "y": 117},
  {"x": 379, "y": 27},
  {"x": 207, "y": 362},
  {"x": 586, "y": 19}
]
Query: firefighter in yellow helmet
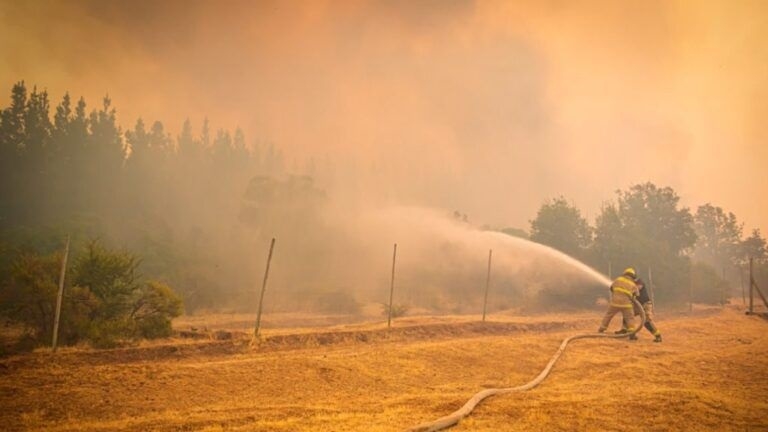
[{"x": 623, "y": 290}]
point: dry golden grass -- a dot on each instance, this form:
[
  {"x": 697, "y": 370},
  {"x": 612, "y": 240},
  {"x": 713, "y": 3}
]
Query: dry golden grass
[{"x": 711, "y": 373}]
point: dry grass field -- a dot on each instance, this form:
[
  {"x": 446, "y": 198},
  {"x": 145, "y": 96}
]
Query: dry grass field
[{"x": 710, "y": 373}]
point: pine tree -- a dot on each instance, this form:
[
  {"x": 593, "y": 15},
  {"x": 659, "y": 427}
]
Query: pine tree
[
  {"x": 138, "y": 144},
  {"x": 80, "y": 124},
  {"x": 13, "y": 131},
  {"x": 188, "y": 147},
  {"x": 105, "y": 157},
  {"x": 37, "y": 125},
  {"x": 12, "y": 138},
  {"x": 63, "y": 156},
  {"x": 205, "y": 136},
  {"x": 106, "y": 137},
  {"x": 240, "y": 154},
  {"x": 160, "y": 143},
  {"x": 35, "y": 182},
  {"x": 222, "y": 148},
  {"x": 62, "y": 120},
  {"x": 78, "y": 147}
]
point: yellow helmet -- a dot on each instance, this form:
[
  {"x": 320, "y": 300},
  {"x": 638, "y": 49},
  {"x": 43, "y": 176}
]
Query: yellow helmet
[{"x": 630, "y": 271}]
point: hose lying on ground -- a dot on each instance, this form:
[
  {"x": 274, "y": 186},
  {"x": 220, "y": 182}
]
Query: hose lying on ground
[{"x": 453, "y": 418}]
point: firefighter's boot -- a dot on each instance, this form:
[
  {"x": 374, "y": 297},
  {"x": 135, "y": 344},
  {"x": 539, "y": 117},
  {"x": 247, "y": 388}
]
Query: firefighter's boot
[
  {"x": 658, "y": 338},
  {"x": 633, "y": 337}
]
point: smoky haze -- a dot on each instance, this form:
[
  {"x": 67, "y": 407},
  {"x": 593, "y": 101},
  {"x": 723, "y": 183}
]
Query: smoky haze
[
  {"x": 441, "y": 262},
  {"x": 488, "y": 108}
]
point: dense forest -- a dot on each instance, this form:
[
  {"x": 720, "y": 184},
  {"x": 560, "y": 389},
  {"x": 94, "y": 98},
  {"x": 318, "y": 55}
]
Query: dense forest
[
  {"x": 169, "y": 199},
  {"x": 141, "y": 203}
]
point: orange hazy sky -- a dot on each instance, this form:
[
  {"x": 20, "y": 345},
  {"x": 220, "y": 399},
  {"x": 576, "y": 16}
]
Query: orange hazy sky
[{"x": 487, "y": 107}]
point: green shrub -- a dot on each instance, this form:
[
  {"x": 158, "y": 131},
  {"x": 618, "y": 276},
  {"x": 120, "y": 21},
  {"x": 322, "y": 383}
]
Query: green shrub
[
  {"x": 153, "y": 310},
  {"x": 337, "y": 302},
  {"x": 108, "y": 333},
  {"x": 29, "y": 295},
  {"x": 107, "y": 304},
  {"x": 398, "y": 309}
]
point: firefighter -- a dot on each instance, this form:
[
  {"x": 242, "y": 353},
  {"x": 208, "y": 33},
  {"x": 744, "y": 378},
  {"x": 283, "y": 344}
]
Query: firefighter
[
  {"x": 623, "y": 290},
  {"x": 644, "y": 300}
]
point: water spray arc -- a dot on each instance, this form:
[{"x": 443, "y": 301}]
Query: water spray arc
[
  {"x": 548, "y": 251},
  {"x": 453, "y": 418}
]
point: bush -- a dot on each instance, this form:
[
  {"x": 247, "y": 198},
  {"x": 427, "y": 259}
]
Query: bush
[
  {"x": 337, "y": 302},
  {"x": 126, "y": 307},
  {"x": 107, "y": 303},
  {"x": 29, "y": 296},
  {"x": 153, "y": 310},
  {"x": 110, "y": 333},
  {"x": 110, "y": 276},
  {"x": 398, "y": 309}
]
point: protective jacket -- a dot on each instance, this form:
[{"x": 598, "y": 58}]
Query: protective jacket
[
  {"x": 622, "y": 291},
  {"x": 645, "y": 300},
  {"x": 642, "y": 296}
]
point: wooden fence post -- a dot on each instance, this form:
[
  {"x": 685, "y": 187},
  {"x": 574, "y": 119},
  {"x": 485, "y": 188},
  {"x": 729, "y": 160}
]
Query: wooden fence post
[
  {"x": 724, "y": 290},
  {"x": 60, "y": 296},
  {"x": 751, "y": 284},
  {"x": 690, "y": 291},
  {"x": 741, "y": 279},
  {"x": 391, "y": 288},
  {"x": 487, "y": 283},
  {"x": 263, "y": 288}
]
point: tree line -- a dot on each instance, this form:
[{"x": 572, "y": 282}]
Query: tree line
[
  {"x": 76, "y": 162},
  {"x": 703, "y": 252},
  {"x": 148, "y": 210},
  {"x": 173, "y": 200}
]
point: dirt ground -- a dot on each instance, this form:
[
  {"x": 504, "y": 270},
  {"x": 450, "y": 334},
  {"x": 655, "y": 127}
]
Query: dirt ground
[{"x": 710, "y": 373}]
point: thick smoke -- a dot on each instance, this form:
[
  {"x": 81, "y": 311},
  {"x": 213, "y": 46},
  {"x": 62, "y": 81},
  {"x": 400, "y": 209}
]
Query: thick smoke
[
  {"x": 441, "y": 262},
  {"x": 489, "y": 107},
  {"x": 485, "y": 107}
]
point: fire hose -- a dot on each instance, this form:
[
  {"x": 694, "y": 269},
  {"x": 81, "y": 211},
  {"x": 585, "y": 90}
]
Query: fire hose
[{"x": 453, "y": 418}]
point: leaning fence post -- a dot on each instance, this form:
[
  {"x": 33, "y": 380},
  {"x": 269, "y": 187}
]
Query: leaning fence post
[
  {"x": 751, "y": 284},
  {"x": 59, "y": 296},
  {"x": 263, "y": 288},
  {"x": 391, "y": 288},
  {"x": 741, "y": 279},
  {"x": 487, "y": 283},
  {"x": 690, "y": 291},
  {"x": 723, "y": 291}
]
